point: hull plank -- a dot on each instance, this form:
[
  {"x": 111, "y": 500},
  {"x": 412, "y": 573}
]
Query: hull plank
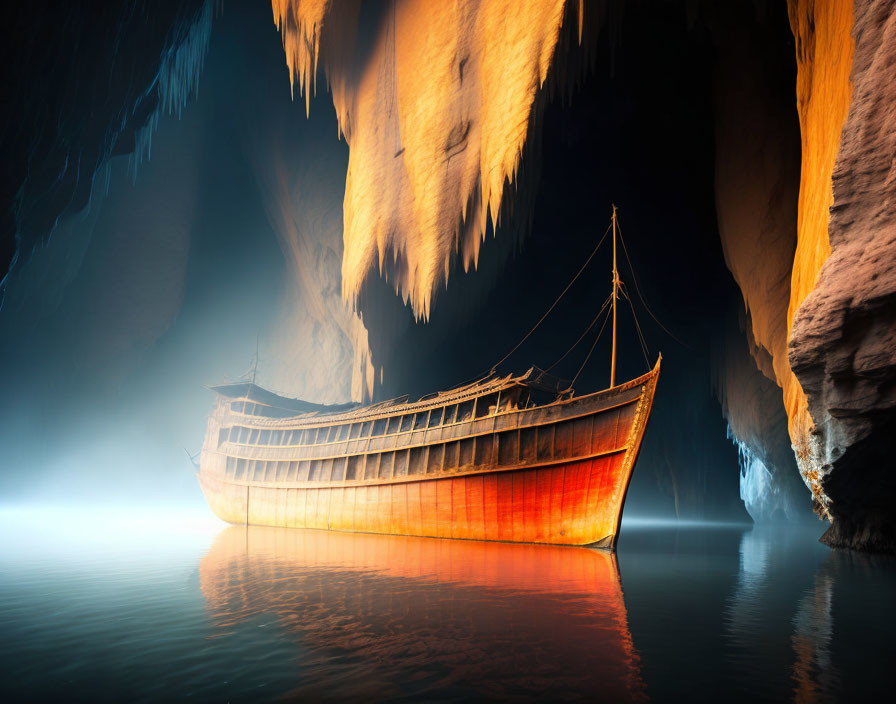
[
  {"x": 542, "y": 499},
  {"x": 505, "y": 507},
  {"x": 556, "y": 514},
  {"x": 532, "y": 528}
]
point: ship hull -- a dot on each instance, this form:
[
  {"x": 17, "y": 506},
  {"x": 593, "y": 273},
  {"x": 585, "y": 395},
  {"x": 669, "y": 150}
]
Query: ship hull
[
  {"x": 574, "y": 503},
  {"x": 556, "y": 474}
]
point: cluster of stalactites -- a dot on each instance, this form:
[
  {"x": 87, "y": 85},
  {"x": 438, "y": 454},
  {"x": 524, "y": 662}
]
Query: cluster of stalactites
[
  {"x": 763, "y": 490},
  {"x": 178, "y": 80},
  {"x": 436, "y": 113},
  {"x": 300, "y": 25}
]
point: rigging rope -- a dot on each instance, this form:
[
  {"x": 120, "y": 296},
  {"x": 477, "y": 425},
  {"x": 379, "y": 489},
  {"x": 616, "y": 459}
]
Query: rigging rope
[
  {"x": 593, "y": 345},
  {"x": 582, "y": 336},
  {"x": 640, "y": 295},
  {"x": 554, "y": 304},
  {"x": 622, "y": 290},
  {"x": 644, "y": 349}
]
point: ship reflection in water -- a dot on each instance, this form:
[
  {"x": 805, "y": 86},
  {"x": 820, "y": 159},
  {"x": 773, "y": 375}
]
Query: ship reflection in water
[
  {"x": 385, "y": 616},
  {"x": 158, "y": 609}
]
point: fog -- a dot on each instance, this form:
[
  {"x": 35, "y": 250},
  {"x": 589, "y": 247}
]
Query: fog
[{"x": 224, "y": 244}]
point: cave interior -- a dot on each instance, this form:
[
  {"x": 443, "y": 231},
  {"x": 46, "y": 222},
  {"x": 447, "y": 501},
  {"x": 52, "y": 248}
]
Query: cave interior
[{"x": 150, "y": 271}]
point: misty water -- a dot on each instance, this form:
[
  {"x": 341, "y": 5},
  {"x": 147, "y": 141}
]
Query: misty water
[{"x": 136, "y": 606}]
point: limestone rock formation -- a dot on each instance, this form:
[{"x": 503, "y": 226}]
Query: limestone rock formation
[
  {"x": 436, "y": 111},
  {"x": 843, "y": 338},
  {"x": 832, "y": 295},
  {"x": 824, "y": 48}
]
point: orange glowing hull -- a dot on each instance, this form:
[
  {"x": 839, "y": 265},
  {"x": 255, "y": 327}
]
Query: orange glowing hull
[{"x": 562, "y": 481}]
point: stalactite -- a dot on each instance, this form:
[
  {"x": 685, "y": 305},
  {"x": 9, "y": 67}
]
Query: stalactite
[
  {"x": 436, "y": 114},
  {"x": 757, "y": 424},
  {"x": 758, "y": 490}
]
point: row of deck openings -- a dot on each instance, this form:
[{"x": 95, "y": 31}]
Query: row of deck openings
[
  {"x": 431, "y": 418},
  {"x": 381, "y": 465},
  {"x": 570, "y": 439}
]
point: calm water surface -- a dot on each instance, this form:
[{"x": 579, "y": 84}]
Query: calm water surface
[{"x": 116, "y": 608}]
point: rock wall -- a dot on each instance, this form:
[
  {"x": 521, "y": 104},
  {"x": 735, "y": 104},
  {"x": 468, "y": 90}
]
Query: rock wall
[
  {"x": 843, "y": 337},
  {"x": 818, "y": 292},
  {"x": 824, "y": 47}
]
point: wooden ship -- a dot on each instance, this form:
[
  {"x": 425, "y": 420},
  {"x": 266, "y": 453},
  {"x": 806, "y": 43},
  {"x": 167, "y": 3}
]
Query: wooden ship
[{"x": 508, "y": 458}]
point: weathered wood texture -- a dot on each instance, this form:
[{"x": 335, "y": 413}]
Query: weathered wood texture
[{"x": 552, "y": 474}]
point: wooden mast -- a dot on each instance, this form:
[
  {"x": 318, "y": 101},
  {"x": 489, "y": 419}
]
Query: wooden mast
[
  {"x": 255, "y": 362},
  {"x": 615, "y": 288}
]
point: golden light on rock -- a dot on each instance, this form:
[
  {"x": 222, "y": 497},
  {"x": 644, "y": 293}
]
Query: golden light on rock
[
  {"x": 824, "y": 50},
  {"x": 436, "y": 115}
]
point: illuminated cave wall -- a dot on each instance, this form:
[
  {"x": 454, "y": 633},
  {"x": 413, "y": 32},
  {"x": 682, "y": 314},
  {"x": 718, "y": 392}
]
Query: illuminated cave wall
[
  {"x": 92, "y": 270},
  {"x": 824, "y": 48},
  {"x": 836, "y": 311},
  {"x": 838, "y": 367},
  {"x": 842, "y": 343}
]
